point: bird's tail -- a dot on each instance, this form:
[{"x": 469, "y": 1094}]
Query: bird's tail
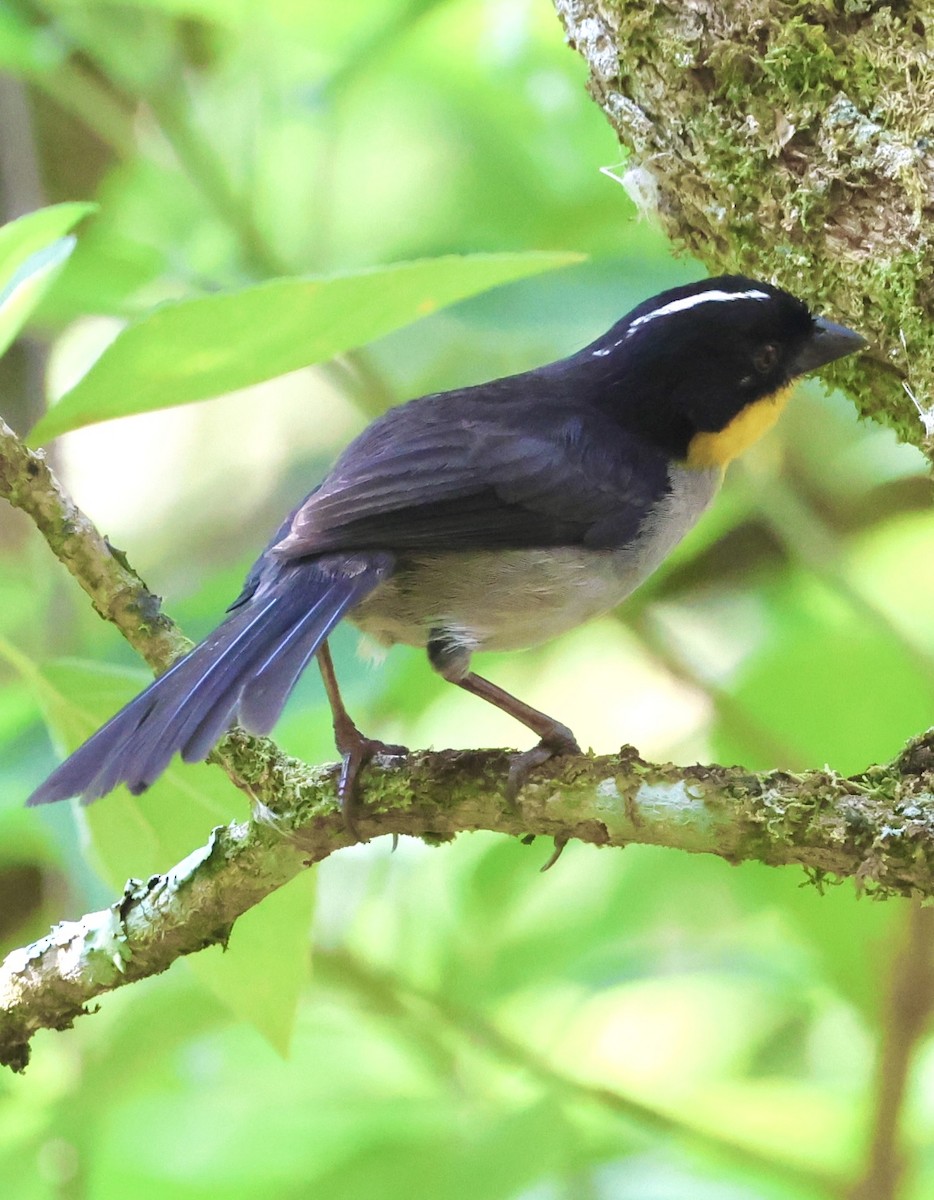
[{"x": 244, "y": 671}]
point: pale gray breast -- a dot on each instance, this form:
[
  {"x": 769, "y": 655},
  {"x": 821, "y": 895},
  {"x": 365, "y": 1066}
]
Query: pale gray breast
[{"x": 509, "y": 599}]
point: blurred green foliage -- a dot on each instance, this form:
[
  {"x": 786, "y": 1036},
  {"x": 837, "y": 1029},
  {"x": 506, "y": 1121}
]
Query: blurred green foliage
[{"x": 637, "y": 1026}]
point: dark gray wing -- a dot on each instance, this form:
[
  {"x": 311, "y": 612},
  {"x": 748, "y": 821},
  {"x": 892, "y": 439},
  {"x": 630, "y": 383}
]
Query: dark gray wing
[{"x": 463, "y": 471}]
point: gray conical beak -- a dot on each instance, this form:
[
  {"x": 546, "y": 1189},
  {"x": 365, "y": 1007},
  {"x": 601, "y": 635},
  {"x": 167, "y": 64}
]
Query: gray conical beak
[{"x": 826, "y": 343}]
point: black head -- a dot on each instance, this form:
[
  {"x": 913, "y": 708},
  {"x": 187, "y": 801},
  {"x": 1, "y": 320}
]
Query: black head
[{"x": 691, "y": 360}]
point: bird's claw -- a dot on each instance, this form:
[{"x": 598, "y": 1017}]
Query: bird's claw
[
  {"x": 353, "y": 759},
  {"x": 561, "y": 840},
  {"x": 559, "y": 741},
  {"x": 521, "y": 766}
]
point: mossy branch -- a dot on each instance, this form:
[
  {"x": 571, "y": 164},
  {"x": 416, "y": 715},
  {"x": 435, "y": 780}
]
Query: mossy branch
[
  {"x": 877, "y": 827},
  {"x": 796, "y": 146},
  {"x": 116, "y": 591}
]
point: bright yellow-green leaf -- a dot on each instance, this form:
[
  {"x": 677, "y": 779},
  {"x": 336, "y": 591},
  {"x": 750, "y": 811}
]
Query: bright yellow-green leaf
[
  {"x": 195, "y": 349},
  {"x": 33, "y": 250},
  {"x": 267, "y": 963}
]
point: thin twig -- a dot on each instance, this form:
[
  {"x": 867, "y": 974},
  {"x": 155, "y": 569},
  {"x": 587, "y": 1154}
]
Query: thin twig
[{"x": 907, "y": 1016}]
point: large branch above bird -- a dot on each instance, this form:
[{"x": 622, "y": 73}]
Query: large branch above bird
[{"x": 789, "y": 145}]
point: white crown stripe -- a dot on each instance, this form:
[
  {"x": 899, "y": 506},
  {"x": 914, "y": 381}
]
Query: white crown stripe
[{"x": 686, "y": 302}]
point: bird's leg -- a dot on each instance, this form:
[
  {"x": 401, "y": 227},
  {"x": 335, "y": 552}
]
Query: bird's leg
[
  {"x": 555, "y": 737},
  {"x": 449, "y": 652},
  {"x": 355, "y": 749}
]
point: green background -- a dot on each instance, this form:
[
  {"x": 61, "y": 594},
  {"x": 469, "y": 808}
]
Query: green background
[{"x": 643, "y": 1025}]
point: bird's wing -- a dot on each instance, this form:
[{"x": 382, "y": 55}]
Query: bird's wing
[{"x": 451, "y": 473}]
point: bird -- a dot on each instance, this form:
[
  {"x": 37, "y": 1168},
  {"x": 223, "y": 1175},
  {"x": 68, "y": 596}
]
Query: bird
[{"x": 491, "y": 517}]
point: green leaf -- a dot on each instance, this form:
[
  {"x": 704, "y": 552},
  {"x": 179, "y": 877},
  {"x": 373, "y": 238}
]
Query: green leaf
[
  {"x": 33, "y": 250},
  {"x": 195, "y": 349},
  {"x": 267, "y": 963}
]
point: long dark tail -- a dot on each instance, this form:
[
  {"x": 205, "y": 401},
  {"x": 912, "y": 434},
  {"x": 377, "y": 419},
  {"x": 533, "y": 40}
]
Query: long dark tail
[{"x": 243, "y": 671}]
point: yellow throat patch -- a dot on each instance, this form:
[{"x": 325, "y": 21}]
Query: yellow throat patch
[{"x": 718, "y": 449}]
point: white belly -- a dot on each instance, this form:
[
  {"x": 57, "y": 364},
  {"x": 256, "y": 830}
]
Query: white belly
[{"x": 506, "y": 600}]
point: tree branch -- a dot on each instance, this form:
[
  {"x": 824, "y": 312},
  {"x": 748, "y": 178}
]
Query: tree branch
[
  {"x": 790, "y": 147},
  {"x": 909, "y": 1004},
  {"x": 875, "y": 827},
  {"x": 116, "y": 591}
]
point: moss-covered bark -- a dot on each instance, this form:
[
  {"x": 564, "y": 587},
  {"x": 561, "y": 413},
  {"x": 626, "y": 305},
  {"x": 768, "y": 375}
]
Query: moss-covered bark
[
  {"x": 877, "y": 827},
  {"x": 116, "y": 591},
  {"x": 793, "y": 142}
]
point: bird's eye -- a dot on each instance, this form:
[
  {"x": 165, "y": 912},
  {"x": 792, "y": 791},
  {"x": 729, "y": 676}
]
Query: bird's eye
[{"x": 765, "y": 358}]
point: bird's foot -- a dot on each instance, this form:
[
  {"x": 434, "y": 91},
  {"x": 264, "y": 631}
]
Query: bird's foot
[
  {"x": 558, "y": 740},
  {"x": 356, "y": 751}
]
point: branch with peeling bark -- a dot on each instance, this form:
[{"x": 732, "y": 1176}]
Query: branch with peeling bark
[{"x": 877, "y": 827}]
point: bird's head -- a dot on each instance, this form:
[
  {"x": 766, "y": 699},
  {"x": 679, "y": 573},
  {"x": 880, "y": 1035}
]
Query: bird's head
[{"x": 703, "y": 370}]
